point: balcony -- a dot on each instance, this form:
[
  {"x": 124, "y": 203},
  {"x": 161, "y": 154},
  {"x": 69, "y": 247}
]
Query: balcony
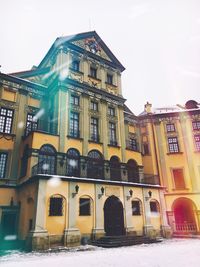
[
  {"x": 91, "y": 168},
  {"x": 150, "y": 179},
  {"x": 42, "y": 126}
]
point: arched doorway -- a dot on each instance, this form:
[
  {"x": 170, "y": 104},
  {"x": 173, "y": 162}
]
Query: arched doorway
[
  {"x": 95, "y": 165},
  {"x": 184, "y": 216},
  {"x": 113, "y": 217}
]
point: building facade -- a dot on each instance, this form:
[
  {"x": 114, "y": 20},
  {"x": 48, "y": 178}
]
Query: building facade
[
  {"x": 76, "y": 163},
  {"x": 171, "y": 145}
]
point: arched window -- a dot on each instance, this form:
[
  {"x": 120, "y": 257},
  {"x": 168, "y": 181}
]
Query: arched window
[
  {"x": 24, "y": 161},
  {"x": 115, "y": 169},
  {"x": 47, "y": 160},
  {"x": 154, "y": 206},
  {"x": 133, "y": 174},
  {"x": 95, "y": 165},
  {"x": 56, "y": 205},
  {"x": 73, "y": 162}
]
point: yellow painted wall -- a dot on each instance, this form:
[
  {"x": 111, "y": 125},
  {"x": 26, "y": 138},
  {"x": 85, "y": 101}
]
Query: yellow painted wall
[
  {"x": 40, "y": 139},
  {"x": 9, "y": 95},
  {"x": 73, "y": 143},
  {"x": 33, "y": 102},
  {"x": 6, "y": 144},
  {"x": 5, "y": 196}
]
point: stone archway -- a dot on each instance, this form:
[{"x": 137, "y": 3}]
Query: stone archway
[
  {"x": 113, "y": 217},
  {"x": 184, "y": 216}
]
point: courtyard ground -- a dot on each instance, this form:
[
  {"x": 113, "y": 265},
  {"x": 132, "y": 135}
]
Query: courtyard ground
[{"x": 173, "y": 253}]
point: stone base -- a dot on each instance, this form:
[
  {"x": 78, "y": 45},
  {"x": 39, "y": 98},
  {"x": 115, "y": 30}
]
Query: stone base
[
  {"x": 150, "y": 232},
  {"x": 166, "y": 231},
  {"x": 97, "y": 233},
  {"x": 37, "y": 240},
  {"x": 72, "y": 237},
  {"x": 130, "y": 231}
]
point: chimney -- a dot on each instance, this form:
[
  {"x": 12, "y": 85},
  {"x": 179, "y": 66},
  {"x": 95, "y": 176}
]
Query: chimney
[{"x": 147, "y": 107}]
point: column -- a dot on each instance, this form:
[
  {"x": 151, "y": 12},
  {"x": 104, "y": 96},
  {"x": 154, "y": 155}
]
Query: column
[
  {"x": 72, "y": 234},
  {"x": 165, "y": 228},
  {"x": 148, "y": 227},
  {"x": 37, "y": 239},
  {"x": 98, "y": 230},
  {"x": 128, "y": 211}
]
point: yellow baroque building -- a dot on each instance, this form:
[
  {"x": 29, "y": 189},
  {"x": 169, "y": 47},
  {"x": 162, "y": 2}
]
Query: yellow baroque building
[
  {"x": 171, "y": 148},
  {"x": 76, "y": 164}
]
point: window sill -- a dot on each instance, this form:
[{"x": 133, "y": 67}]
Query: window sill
[
  {"x": 130, "y": 149},
  {"x": 110, "y": 84},
  {"x": 113, "y": 145},
  {"x": 180, "y": 189},
  {"x": 95, "y": 78},
  {"x": 74, "y": 137},
  {"x": 96, "y": 142},
  {"x": 174, "y": 153},
  {"x": 77, "y": 71}
]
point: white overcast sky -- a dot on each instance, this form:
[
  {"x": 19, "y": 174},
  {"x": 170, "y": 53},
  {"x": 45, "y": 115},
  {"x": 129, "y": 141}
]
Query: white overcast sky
[{"x": 158, "y": 41}]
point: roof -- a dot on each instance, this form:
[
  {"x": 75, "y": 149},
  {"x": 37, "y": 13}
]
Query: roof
[
  {"x": 67, "y": 40},
  {"x": 171, "y": 109}
]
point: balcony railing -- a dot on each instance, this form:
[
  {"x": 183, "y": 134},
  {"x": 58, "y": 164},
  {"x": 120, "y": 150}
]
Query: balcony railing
[
  {"x": 150, "y": 179},
  {"x": 185, "y": 227},
  {"x": 42, "y": 126}
]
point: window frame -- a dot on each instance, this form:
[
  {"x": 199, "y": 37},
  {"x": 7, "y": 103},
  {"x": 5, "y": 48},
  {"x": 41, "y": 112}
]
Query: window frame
[
  {"x": 175, "y": 179},
  {"x": 196, "y": 125},
  {"x": 111, "y": 111},
  {"x": 112, "y": 133},
  {"x": 74, "y": 124},
  {"x": 154, "y": 204},
  {"x": 93, "y": 72},
  {"x": 87, "y": 211},
  {"x": 75, "y": 65},
  {"x": 94, "y": 105},
  {"x": 74, "y": 100},
  {"x": 59, "y": 212},
  {"x": 197, "y": 142},
  {"x": 173, "y": 147},
  {"x": 170, "y": 127},
  {"x": 3, "y": 171},
  {"x": 94, "y": 129},
  {"x": 138, "y": 212},
  {"x": 109, "y": 79},
  {"x": 6, "y": 121}
]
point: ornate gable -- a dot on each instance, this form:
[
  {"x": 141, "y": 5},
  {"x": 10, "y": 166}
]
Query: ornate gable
[{"x": 92, "y": 45}]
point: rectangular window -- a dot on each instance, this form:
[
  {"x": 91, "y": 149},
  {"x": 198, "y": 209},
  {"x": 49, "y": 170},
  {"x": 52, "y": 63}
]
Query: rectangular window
[
  {"x": 93, "y": 72},
  {"x": 196, "y": 125},
  {"x": 173, "y": 145},
  {"x": 111, "y": 111},
  {"x": 6, "y": 119},
  {"x": 109, "y": 79},
  {"x": 197, "y": 142},
  {"x": 146, "y": 148},
  {"x": 94, "y": 106},
  {"x": 31, "y": 123},
  {"x": 179, "y": 182},
  {"x": 56, "y": 206},
  {"x": 75, "y": 65},
  {"x": 170, "y": 127},
  {"x": 112, "y": 133},
  {"x": 136, "y": 207},
  {"x": 84, "y": 207},
  {"x": 74, "y": 124},
  {"x": 133, "y": 144},
  {"x": 3, "y": 161},
  {"x": 94, "y": 129},
  {"x": 74, "y": 100}
]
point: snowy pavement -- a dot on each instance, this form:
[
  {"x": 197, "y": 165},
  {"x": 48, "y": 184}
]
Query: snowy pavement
[{"x": 173, "y": 253}]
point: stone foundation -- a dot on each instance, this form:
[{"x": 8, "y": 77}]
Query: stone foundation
[
  {"x": 37, "y": 240},
  {"x": 150, "y": 232},
  {"x": 72, "y": 237},
  {"x": 97, "y": 233},
  {"x": 166, "y": 231}
]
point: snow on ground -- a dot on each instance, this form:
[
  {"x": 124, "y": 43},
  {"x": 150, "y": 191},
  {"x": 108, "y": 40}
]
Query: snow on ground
[{"x": 173, "y": 253}]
